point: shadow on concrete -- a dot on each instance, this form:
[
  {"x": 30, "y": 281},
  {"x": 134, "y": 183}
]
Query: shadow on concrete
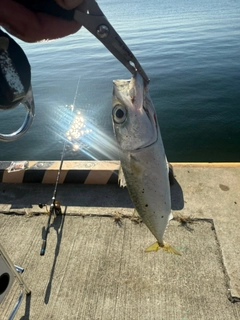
[
  {"x": 78, "y": 195},
  {"x": 21, "y": 195},
  {"x": 26, "y": 315},
  {"x": 57, "y": 224},
  {"x": 177, "y": 197},
  {"x": 94, "y": 196}
]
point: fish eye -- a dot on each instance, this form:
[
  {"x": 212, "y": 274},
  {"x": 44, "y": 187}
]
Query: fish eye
[{"x": 119, "y": 113}]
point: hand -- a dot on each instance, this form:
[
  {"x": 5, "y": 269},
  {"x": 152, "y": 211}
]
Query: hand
[{"x": 31, "y": 27}]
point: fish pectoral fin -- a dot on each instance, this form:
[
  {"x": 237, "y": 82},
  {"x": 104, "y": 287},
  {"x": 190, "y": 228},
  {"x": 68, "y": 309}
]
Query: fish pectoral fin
[
  {"x": 121, "y": 178},
  {"x": 170, "y": 216},
  {"x": 135, "y": 213},
  {"x": 166, "y": 247}
]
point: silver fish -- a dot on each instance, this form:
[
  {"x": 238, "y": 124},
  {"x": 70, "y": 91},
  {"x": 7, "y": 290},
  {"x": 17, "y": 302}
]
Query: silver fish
[{"x": 142, "y": 156}]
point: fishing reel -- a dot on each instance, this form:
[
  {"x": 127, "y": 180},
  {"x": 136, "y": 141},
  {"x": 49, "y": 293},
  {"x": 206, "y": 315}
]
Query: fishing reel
[
  {"x": 15, "y": 83},
  {"x": 55, "y": 207}
]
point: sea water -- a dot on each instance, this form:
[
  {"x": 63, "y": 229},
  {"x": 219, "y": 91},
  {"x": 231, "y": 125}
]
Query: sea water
[{"x": 189, "y": 49}]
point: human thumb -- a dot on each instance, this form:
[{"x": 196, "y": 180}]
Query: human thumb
[{"x": 69, "y": 4}]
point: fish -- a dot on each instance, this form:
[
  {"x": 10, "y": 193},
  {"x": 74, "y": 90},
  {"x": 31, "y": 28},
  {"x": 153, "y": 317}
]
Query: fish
[{"x": 144, "y": 167}]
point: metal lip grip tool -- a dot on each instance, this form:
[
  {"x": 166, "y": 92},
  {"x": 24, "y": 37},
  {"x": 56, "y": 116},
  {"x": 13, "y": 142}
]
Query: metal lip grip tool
[
  {"x": 93, "y": 19},
  {"x": 15, "y": 83}
]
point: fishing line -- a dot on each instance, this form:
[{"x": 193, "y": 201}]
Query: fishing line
[{"x": 55, "y": 205}]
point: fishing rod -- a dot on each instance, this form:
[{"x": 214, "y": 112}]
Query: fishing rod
[{"x": 55, "y": 205}]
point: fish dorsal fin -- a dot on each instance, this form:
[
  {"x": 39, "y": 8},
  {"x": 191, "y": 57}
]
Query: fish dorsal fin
[{"x": 121, "y": 178}]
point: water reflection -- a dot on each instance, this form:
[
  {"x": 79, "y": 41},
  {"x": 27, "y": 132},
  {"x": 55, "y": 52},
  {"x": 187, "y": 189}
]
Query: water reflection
[
  {"x": 77, "y": 131},
  {"x": 81, "y": 135}
]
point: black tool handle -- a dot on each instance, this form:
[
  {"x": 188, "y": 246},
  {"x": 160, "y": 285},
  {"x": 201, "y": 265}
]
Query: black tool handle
[
  {"x": 43, "y": 248},
  {"x": 49, "y": 7}
]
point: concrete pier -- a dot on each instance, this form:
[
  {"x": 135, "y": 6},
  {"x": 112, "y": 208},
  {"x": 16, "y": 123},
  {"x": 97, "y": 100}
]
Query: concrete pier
[{"x": 95, "y": 266}]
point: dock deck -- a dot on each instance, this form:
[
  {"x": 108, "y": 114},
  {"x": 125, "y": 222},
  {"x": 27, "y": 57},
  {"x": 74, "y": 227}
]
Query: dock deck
[{"x": 95, "y": 266}]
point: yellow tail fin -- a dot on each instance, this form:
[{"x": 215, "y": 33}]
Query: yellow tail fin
[{"x": 166, "y": 247}]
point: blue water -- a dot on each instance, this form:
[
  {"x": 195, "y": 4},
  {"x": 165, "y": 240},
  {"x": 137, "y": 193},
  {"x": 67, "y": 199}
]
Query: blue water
[{"x": 189, "y": 49}]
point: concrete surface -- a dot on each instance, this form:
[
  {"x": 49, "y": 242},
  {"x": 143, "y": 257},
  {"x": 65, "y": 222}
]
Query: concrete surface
[{"x": 95, "y": 268}]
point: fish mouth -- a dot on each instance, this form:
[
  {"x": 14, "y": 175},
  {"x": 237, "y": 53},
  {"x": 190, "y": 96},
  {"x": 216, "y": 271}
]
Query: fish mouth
[{"x": 145, "y": 105}]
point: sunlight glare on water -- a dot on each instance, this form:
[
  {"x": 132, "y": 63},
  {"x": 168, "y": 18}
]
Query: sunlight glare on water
[{"x": 77, "y": 131}]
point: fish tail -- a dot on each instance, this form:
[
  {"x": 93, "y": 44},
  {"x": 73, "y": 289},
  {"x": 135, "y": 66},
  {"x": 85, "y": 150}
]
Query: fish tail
[{"x": 165, "y": 246}]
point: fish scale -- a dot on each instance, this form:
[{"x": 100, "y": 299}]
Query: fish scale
[{"x": 148, "y": 187}]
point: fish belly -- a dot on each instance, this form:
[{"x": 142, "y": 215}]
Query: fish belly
[{"x": 146, "y": 174}]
